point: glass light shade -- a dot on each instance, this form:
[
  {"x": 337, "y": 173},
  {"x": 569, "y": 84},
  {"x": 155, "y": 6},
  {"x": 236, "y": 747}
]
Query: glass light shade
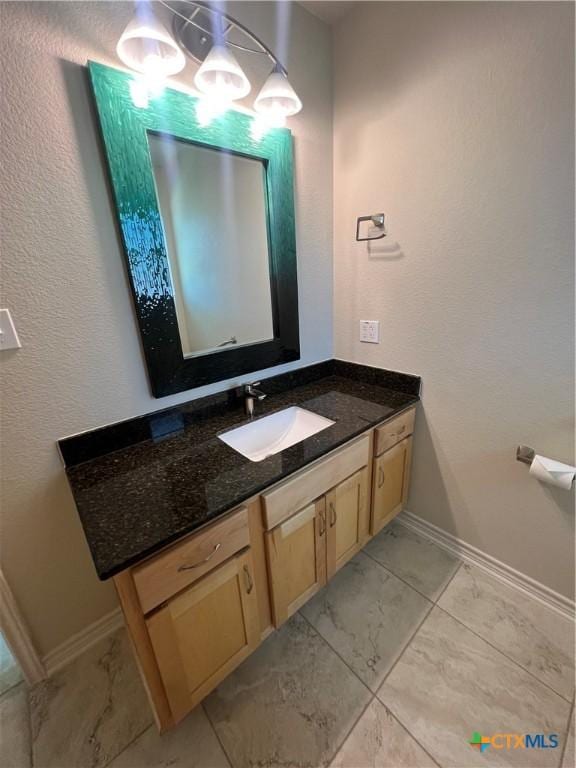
[
  {"x": 147, "y": 47},
  {"x": 220, "y": 76},
  {"x": 277, "y": 99}
]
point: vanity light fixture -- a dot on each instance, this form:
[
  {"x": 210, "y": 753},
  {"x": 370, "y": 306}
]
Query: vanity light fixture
[
  {"x": 147, "y": 47},
  {"x": 209, "y": 36},
  {"x": 277, "y": 99},
  {"x": 221, "y": 77}
]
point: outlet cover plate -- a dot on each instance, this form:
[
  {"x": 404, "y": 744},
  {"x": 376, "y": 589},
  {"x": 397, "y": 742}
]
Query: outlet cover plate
[{"x": 370, "y": 331}]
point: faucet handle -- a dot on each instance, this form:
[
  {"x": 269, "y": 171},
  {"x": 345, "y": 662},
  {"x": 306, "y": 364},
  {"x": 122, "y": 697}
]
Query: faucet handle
[{"x": 251, "y": 391}]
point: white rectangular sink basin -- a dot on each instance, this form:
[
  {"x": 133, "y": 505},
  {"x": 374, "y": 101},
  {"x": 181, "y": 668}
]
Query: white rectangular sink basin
[{"x": 274, "y": 433}]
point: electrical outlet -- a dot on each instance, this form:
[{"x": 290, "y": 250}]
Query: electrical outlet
[
  {"x": 370, "y": 331},
  {"x": 8, "y": 336}
]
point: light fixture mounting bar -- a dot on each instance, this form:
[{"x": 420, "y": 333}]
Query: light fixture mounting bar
[{"x": 199, "y": 43}]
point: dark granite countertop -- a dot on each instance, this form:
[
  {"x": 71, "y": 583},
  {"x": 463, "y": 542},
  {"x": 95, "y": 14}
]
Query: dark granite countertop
[{"x": 176, "y": 476}]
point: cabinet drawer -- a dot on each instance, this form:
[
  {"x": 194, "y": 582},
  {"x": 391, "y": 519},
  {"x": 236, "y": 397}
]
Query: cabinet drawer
[
  {"x": 299, "y": 491},
  {"x": 394, "y": 430},
  {"x": 163, "y": 576}
]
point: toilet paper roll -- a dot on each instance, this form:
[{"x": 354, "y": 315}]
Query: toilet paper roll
[{"x": 552, "y": 472}]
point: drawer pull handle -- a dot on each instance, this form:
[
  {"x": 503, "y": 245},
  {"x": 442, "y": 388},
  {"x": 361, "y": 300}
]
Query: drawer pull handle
[
  {"x": 197, "y": 565},
  {"x": 380, "y": 477},
  {"x": 248, "y": 580},
  {"x": 332, "y": 514},
  {"x": 402, "y": 429},
  {"x": 322, "y": 523}
]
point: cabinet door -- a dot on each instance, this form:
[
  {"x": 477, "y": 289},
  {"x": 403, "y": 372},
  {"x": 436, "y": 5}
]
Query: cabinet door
[
  {"x": 201, "y": 635},
  {"x": 296, "y": 551},
  {"x": 391, "y": 479},
  {"x": 347, "y": 519}
]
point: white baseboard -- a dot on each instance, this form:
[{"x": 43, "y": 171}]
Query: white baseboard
[
  {"x": 489, "y": 564},
  {"x": 76, "y": 645},
  {"x": 17, "y": 636}
]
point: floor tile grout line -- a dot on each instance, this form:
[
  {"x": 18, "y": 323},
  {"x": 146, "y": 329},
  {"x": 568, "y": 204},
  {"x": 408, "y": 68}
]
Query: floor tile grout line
[
  {"x": 450, "y": 580},
  {"x": 9, "y": 690},
  {"x": 132, "y": 741},
  {"x": 502, "y": 653},
  {"x": 321, "y": 636},
  {"x": 391, "y": 572},
  {"x": 387, "y": 675},
  {"x": 354, "y": 724},
  {"x": 397, "y": 576},
  {"x": 408, "y": 731},
  {"x": 29, "y": 723},
  {"x": 405, "y": 648},
  {"x": 567, "y": 736},
  {"x": 218, "y": 739}
]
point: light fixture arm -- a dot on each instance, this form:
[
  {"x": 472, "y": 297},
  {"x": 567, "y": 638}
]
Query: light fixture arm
[{"x": 226, "y": 24}]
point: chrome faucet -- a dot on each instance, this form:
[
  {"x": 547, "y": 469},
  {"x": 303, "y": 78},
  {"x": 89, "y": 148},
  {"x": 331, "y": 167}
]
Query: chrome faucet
[{"x": 250, "y": 395}]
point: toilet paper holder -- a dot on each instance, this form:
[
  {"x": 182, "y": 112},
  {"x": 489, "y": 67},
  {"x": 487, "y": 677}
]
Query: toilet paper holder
[{"x": 525, "y": 454}]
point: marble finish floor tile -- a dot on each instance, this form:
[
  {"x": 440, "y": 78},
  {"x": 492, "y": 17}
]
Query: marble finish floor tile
[
  {"x": 10, "y": 673},
  {"x": 413, "y": 558},
  {"x": 368, "y": 616},
  {"x": 15, "y": 737},
  {"x": 450, "y": 683},
  {"x": 292, "y": 703},
  {"x": 86, "y": 713},
  {"x": 379, "y": 741},
  {"x": 192, "y": 744},
  {"x": 569, "y": 757},
  {"x": 535, "y": 636}
]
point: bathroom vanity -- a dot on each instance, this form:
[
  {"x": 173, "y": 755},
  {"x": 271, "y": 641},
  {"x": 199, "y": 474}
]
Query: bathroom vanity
[
  {"x": 210, "y": 551},
  {"x": 216, "y": 528}
]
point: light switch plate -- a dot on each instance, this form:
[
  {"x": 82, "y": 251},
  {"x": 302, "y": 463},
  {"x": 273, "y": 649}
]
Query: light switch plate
[
  {"x": 8, "y": 336},
  {"x": 370, "y": 331}
]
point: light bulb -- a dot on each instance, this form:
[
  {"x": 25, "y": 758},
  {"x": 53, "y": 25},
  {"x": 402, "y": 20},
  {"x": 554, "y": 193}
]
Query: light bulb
[
  {"x": 139, "y": 93},
  {"x": 147, "y": 47},
  {"x": 221, "y": 77},
  {"x": 208, "y": 109},
  {"x": 277, "y": 99}
]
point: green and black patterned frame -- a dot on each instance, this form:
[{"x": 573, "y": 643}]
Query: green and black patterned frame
[{"x": 125, "y": 130}]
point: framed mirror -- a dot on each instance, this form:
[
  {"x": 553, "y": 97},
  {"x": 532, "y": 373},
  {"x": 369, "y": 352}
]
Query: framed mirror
[{"x": 206, "y": 214}]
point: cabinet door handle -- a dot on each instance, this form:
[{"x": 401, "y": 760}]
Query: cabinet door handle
[
  {"x": 248, "y": 580},
  {"x": 197, "y": 565},
  {"x": 380, "y": 477},
  {"x": 332, "y": 514},
  {"x": 321, "y": 523}
]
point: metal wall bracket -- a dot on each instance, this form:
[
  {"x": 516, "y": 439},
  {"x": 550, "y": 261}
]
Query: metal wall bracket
[
  {"x": 525, "y": 454},
  {"x": 377, "y": 220}
]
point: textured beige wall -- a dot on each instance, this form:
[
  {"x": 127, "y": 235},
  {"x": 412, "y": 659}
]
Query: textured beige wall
[
  {"x": 457, "y": 120},
  {"x": 64, "y": 280}
]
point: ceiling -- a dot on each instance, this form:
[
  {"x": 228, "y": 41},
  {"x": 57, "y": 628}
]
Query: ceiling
[{"x": 329, "y": 11}]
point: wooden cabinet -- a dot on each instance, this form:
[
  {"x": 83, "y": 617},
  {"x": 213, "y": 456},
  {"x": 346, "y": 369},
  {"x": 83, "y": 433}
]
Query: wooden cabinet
[
  {"x": 201, "y": 606},
  {"x": 297, "y": 559},
  {"x": 203, "y": 633},
  {"x": 197, "y": 609},
  {"x": 310, "y": 546},
  {"x": 347, "y": 518},
  {"x": 390, "y": 483}
]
